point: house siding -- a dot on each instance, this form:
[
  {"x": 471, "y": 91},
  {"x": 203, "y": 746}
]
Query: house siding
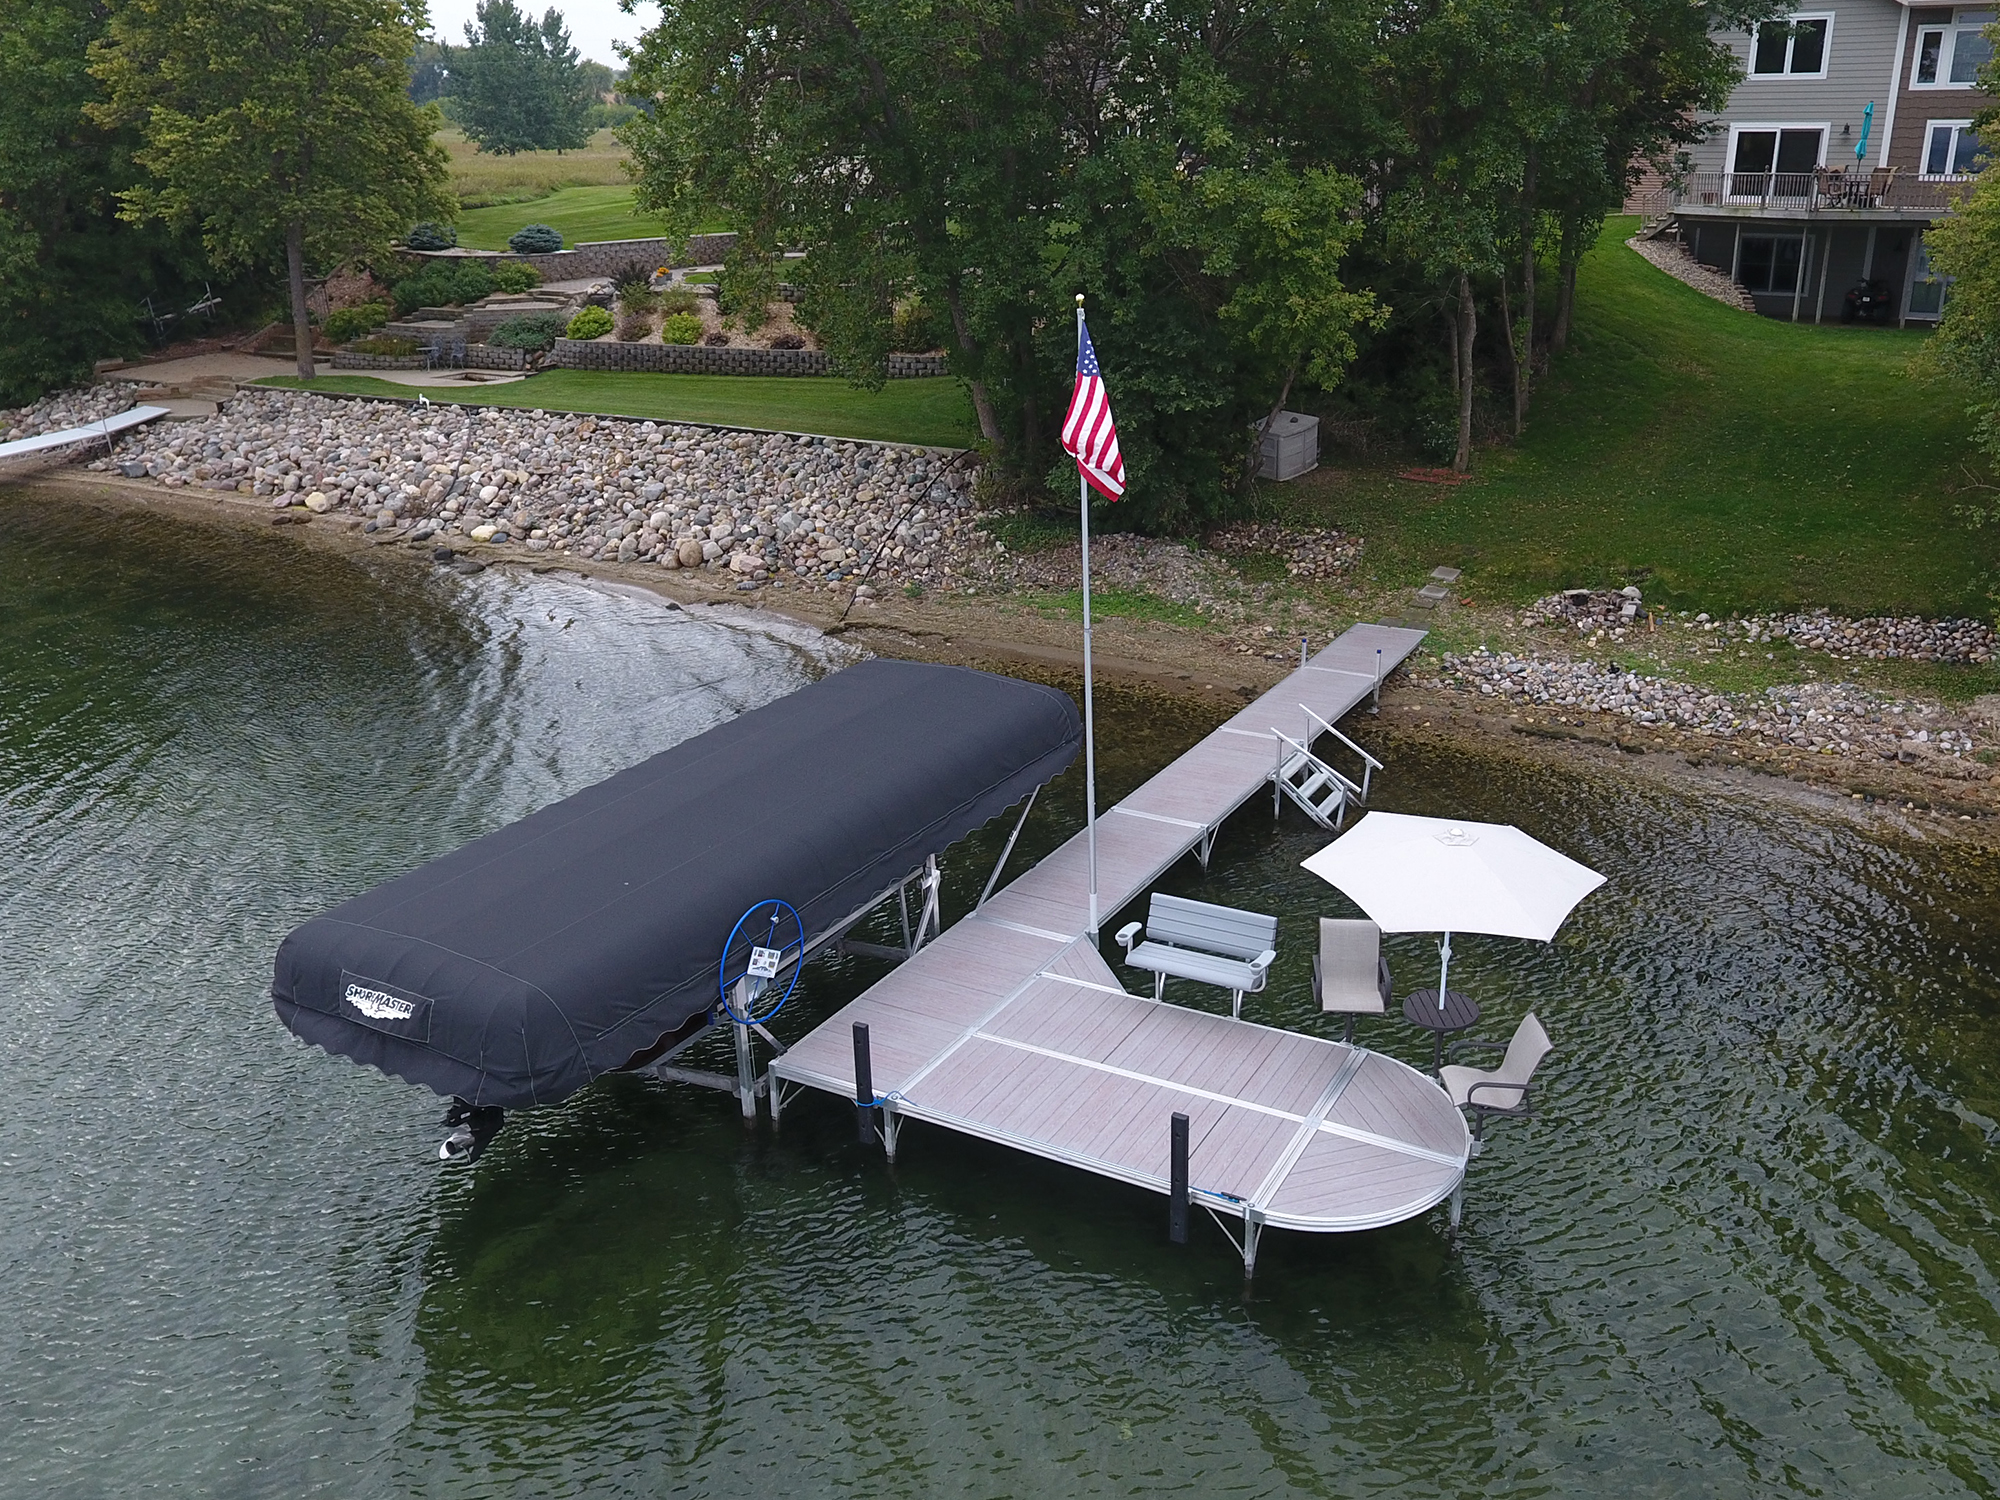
[
  {"x": 1862, "y": 44},
  {"x": 1917, "y": 107}
]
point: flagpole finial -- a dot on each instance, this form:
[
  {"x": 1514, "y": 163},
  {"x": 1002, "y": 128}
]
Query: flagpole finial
[{"x": 1079, "y": 299}]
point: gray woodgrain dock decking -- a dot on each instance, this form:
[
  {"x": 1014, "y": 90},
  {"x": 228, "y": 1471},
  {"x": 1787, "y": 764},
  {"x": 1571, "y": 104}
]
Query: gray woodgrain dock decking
[{"x": 1011, "y": 1027}]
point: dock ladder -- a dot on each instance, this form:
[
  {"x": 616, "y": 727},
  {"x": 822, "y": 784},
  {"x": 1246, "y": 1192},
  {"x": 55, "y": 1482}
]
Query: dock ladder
[{"x": 1322, "y": 792}]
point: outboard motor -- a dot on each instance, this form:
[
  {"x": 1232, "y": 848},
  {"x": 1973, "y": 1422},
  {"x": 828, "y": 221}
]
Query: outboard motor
[
  {"x": 1870, "y": 300},
  {"x": 472, "y": 1130}
]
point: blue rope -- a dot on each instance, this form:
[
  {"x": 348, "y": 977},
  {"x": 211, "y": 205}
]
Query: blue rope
[{"x": 722, "y": 968}]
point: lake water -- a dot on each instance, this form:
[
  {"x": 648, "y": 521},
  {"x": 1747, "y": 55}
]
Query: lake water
[{"x": 1750, "y": 1247}]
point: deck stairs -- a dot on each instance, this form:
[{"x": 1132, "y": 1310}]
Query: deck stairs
[{"x": 1319, "y": 790}]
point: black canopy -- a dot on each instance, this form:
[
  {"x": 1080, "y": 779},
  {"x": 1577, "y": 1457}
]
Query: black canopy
[{"x": 517, "y": 969}]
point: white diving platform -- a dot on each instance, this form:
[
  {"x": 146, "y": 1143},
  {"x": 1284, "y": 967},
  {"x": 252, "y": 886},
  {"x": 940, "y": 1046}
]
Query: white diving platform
[{"x": 1011, "y": 1027}]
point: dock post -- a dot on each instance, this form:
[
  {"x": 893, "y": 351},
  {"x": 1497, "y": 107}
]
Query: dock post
[
  {"x": 1177, "y": 1191},
  {"x": 1376, "y": 707},
  {"x": 1302, "y": 651},
  {"x": 746, "y": 1056},
  {"x": 864, "y": 1086}
]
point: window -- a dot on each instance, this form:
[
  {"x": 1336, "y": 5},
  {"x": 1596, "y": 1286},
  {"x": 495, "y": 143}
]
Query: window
[
  {"x": 1952, "y": 149},
  {"x": 1774, "y": 161},
  {"x": 1950, "y": 56},
  {"x": 1927, "y": 288},
  {"x": 1794, "y": 47},
  {"x": 1769, "y": 263}
]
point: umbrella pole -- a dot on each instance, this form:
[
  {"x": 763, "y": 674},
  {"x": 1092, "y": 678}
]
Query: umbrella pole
[{"x": 1444, "y": 967}]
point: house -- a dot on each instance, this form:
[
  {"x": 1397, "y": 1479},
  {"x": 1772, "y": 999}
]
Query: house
[{"x": 1850, "y": 133}]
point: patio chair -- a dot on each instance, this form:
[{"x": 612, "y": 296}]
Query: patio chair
[
  {"x": 1216, "y": 945},
  {"x": 1502, "y": 1090},
  {"x": 1350, "y": 975}
]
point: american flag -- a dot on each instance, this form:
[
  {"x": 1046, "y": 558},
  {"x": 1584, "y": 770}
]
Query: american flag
[{"x": 1088, "y": 432}]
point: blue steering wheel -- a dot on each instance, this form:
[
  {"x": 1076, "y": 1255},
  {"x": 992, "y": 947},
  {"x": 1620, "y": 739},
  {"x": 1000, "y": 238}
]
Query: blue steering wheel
[{"x": 776, "y": 910}]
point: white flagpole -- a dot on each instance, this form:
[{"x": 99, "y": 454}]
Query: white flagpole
[{"x": 1089, "y": 717}]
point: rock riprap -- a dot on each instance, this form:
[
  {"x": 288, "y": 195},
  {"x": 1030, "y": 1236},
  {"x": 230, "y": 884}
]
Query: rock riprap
[
  {"x": 1832, "y": 718},
  {"x": 760, "y": 507},
  {"x": 64, "y": 409},
  {"x": 1877, "y": 638},
  {"x": 1315, "y": 553}
]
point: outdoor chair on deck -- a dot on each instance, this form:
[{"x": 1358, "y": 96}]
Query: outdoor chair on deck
[
  {"x": 1503, "y": 1090},
  {"x": 1216, "y": 945},
  {"x": 1350, "y": 975}
]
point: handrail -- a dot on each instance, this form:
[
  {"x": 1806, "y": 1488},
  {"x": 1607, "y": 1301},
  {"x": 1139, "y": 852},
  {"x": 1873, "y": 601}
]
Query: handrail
[
  {"x": 1370, "y": 765},
  {"x": 1306, "y": 751}
]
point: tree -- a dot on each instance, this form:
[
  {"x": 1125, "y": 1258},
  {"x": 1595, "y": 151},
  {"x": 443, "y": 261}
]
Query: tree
[
  {"x": 430, "y": 72},
  {"x": 994, "y": 158},
  {"x": 280, "y": 127},
  {"x": 72, "y": 273},
  {"x": 1965, "y": 246},
  {"x": 519, "y": 86}
]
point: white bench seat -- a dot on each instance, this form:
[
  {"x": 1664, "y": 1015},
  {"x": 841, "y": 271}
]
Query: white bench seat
[{"x": 1219, "y": 945}]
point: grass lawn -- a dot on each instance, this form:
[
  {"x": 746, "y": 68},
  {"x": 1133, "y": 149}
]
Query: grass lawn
[
  {"x": 578, "y": 213},
  {"x": 1721, "y": 461},
  {"x": 933, "y": 412}
]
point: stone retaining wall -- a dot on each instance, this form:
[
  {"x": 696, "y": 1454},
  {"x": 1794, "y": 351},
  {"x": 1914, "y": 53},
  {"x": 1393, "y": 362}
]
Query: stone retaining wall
[
  {"x": 347, "y": 359},
  {"x": 699, "y": 359},
  {"x": 492, "y": 357},
  {"x": 602, "y": 257}
]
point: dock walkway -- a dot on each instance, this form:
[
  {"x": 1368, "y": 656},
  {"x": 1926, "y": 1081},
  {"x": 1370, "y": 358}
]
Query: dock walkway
[{"x": 1011, "y": 1026}]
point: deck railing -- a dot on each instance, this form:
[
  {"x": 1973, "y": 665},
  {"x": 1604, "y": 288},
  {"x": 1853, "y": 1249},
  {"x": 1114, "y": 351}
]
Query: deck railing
[{"x": 1826, "y": 190}]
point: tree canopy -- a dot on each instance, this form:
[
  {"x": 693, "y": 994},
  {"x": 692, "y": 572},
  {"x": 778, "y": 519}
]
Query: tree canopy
[
  {"x": 518, "y": 86},
  {"x": 281, "y": 129},
  {"x": 1252, "y": 195}
]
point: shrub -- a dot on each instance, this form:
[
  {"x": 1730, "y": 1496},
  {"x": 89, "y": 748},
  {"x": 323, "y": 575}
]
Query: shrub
[
  {"x": 429, "y": 236},
  {"x": 915, "y": 330},
  {"x": 394, "y": 347},
  {"x": 634, "y": 327},
  {"x": 443, "y": 284},
  {"x": 717, "y": 339},
  {"x": 788, "y": 341},
  {"x": 533, "y": 331},
  {"x": 681, "y": 328},
  {"x": 678, "y": 300},
  {"x": 351, "y": 322},
  {"x": 632, "y": 277},
  {"x": 534, "y": 239},
  {"x": 515, "y": 276},
  {"x": 590, "y": 323}
]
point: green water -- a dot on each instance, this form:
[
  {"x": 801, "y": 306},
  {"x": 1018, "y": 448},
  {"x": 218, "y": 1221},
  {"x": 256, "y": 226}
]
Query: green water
[{"x": 1749, "y": 1248}]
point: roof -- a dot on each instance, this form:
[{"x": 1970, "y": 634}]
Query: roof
[{"x": 517, "y": 969}]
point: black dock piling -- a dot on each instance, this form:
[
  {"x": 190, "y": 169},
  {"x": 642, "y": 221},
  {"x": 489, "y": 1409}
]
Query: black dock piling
[
  {"x": 1177, "y": 1191},
  {"x": 864, "y": 1086}
]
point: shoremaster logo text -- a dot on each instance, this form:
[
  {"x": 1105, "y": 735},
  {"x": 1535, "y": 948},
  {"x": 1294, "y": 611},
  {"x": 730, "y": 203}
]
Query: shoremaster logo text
[{"x": 377, "y": 1006}]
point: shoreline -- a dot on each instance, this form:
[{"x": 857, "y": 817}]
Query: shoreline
[{"x": 1200, "y": 665}]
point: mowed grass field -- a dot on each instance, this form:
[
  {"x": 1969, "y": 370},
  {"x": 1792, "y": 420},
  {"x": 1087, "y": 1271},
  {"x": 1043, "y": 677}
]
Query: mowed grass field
[
  {"x": 577, "y": 213},
  {"x": 935, "y": 413},
  {"x": 1721, "y": 461},
  {"x": 482, "y": 180}
]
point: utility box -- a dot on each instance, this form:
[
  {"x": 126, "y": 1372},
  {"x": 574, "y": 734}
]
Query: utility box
[{"x": 1291, "y": 446}]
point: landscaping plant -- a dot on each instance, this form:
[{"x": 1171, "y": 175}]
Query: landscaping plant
[
  {"x": 534, "y": 239},
  {"x": 515, "y": 276},
  {"x": 442, "y": 284},
  {"x": 431, "y": 236},
  {"x": 589, "y": 323},
  {"x": 681, "y": 328},
  {"x": 395, "y": 348},
  {"x": 346, "y": 323},
  {"x": 531, "y": 331}
]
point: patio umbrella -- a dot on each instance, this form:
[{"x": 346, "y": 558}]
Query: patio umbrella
[{"x": 1444, "y": 875}]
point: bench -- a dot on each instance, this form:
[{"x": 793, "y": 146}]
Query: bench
[{"x": 1216, "y": 945}]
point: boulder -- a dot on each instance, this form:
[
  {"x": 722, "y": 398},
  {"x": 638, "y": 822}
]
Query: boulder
[
  {"x": 318, "y": 504},
  {"x": 689, "y": 553}
]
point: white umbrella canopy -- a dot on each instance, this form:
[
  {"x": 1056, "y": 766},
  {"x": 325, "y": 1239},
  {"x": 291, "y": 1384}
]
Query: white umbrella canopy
[{"x": 1444, "y": 875}]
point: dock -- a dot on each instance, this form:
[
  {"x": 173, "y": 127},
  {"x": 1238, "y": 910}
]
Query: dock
[{"x": 1012, "y": 1028}]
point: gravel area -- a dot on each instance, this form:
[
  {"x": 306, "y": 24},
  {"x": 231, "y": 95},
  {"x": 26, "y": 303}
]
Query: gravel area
[
  {"x": 1678, "y": 261},
  {"x": 1877, "y": 638},
  {"x": 767, "y": 509},
  {"x": 90, "y": 403},
  {"x": 1834, "y": 718},
  {"x": 1307, "y": 553}
]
